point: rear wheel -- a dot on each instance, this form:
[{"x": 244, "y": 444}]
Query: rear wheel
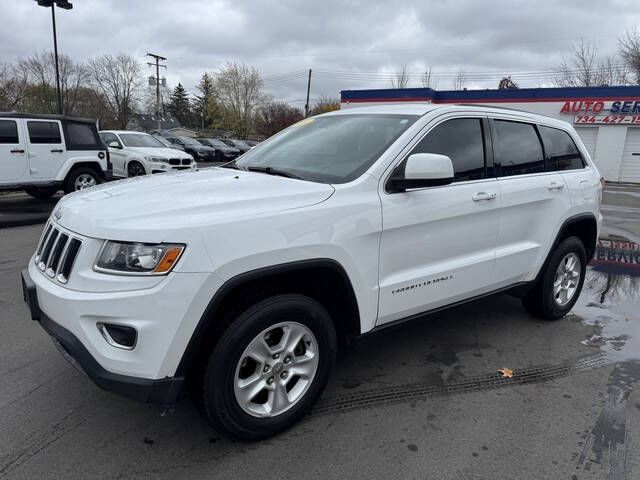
[
  {"x": 81, "y": 178},
  {"x": 561, "y": 282},
  {"x": 269, "y": 367},
  {"x": 42, "y": 193}
]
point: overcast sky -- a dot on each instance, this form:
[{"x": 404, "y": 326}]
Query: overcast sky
[{"x": 286, "y": 38}]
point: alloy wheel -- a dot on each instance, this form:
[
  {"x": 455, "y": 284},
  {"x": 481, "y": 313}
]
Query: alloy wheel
[
  {"x": 567, "y": 278},
  {"x": 276, "y": 369},
  {"x": 83, "y": 181}
]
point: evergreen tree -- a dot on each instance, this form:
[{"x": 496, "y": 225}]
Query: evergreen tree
[
  {"x": 179, "y": 105},
  {"x": 203, "y": 105}
]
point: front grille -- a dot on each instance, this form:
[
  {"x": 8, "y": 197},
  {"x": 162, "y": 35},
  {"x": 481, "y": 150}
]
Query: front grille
[
  {"x": 186, "y": 161},
  {"x": 174, "y": 161},
  {"x": 56, "y": 253}
]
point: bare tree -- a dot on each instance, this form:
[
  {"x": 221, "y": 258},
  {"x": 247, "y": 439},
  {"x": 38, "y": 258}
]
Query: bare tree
[
  {"x": 401, "y": 78},
  {"x": 507, "y": 83},
  {"x": 118, "y": 80},
  {"x": 427, "y": 80},
  {"x": 325, "y": 104},
  {"x": 40, "y": 72},
  {"x": 584, "y": 69},
  {"x": 13, "y": 87},
  {"x": 275, "y": 116},
  {"x": 238, "y": 94},
  {"x": 460, "y": 80},
  {"x": 629, "y": 50}
]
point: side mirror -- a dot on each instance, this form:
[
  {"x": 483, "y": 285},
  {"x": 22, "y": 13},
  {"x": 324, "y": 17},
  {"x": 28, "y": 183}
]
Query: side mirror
[
  {"x": 422, "y": 170},
  {"x": 115, "y": 144}
]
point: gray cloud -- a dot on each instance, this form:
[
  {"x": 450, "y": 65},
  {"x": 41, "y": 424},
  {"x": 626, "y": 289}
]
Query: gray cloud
[{"x": 330, "y": 35}]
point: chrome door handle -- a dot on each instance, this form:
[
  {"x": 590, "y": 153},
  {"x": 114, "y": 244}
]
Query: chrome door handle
[
  {"x": 483, "y": 196},
  {"x": 555, "y": 186}
]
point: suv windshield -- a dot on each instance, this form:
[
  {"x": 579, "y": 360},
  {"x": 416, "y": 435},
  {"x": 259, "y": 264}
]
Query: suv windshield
[
  {"x": 140, "y": 140},
  {"x": 332, "y": 149}
]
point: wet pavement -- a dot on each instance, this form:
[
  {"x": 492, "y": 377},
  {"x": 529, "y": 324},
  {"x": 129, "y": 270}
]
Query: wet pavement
[{"x": 424, "y": 400}]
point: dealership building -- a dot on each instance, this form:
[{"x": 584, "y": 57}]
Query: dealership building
[{"x": 606, "y": 118}]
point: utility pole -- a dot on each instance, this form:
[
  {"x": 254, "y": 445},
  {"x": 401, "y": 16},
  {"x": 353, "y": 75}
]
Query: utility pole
[
  {"x": 157, "y": 64},
  {"x": 306, "y": 105},
  {"x": 64, "y": 4}
]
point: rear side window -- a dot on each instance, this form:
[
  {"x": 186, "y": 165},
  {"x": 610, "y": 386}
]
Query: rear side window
[
  {"x": 8, "y": 131},
  {"x": 44, "y": 132},
  {"x": 561, "y": 150},
  {"x": 82, "y": 136},
  {"x": 517, "y": 149},
  {"x": 461, "y": 140}
]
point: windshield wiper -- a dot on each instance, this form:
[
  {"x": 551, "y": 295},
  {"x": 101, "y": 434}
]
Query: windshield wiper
[{"x": 274, "y": 171}]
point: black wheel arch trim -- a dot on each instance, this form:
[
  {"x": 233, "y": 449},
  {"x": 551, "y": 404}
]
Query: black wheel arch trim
[
  {"x": 561, "y": 233},
  {"x": 208, "y": 316}
]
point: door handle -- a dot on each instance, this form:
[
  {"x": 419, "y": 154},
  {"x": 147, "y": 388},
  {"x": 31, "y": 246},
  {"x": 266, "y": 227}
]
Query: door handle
[
  {"x": 17, "y": 150},
  {"x": 56, "y": 150},
  {"x": 555, "y": 186},
  {"x": 483, "y": 196}
]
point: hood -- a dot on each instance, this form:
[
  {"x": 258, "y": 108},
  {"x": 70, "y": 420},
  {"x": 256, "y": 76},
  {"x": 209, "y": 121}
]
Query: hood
[
  {"x": 154, "y": 208},
  {"x": 159, "y": 152}
]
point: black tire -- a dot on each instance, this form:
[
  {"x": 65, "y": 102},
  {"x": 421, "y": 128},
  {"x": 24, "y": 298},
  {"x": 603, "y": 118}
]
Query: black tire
[
  {"x": 70, "y": 183},
  {"x": 42, "y": 193},
  {"x": 135, "y": 169},
  {"x": 540, "y": 301},
  {"x": 219, "y": 401}
]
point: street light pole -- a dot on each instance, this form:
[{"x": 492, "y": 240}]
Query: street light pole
[
  {"x": 55, "y": 53},
  {"x": 65, "y": 5}
]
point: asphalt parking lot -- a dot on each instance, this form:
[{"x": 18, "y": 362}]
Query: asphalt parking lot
[{"x": 421, "y": 401}]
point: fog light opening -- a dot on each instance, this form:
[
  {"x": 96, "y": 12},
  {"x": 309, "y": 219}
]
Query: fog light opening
[{"x": 119, "y": 336}]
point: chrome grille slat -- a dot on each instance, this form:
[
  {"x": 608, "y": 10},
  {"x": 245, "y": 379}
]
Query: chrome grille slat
[
  {"x": 45, "y": 234},
  {"x": 46, "y": 251},
  {"x": 54, "y": 258}
]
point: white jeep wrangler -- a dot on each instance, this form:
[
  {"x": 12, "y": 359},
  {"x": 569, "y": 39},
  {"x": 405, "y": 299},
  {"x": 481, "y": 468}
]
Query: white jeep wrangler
[
  {"x": 238, "y": 280},
  {"x": 42, "y": 154}
]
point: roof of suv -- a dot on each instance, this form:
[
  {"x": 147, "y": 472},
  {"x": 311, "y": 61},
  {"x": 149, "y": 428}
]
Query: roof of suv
[
  {"x": 424, "y": 108},
  {"x": 47, "y": 116}
]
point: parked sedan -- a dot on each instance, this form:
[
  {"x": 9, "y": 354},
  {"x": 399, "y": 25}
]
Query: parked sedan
[
  {"x": 193, "y": 147},
  {"x": 239, "y": 144},
  {"x": 134, "y": 153},
  {"x": 223, "y": 151}
]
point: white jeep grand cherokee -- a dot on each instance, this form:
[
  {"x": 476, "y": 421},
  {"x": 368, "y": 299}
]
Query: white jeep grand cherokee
[{"x": 238, "y": 280}]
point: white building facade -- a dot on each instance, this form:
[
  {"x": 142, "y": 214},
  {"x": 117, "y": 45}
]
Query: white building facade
[{"x": 606, "y": 118}]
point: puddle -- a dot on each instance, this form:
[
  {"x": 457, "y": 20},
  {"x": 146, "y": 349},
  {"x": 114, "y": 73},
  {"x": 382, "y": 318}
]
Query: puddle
[{"x": 610, "y": 300}]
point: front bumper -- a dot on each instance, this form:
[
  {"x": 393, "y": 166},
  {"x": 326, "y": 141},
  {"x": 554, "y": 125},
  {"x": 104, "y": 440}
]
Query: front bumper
[{"x": 162, "y": 391}]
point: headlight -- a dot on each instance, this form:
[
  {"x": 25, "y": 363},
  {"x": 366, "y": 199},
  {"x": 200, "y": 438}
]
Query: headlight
[
  {"x": 151, "y": 158},
  {"x": 138, "y": 258}
]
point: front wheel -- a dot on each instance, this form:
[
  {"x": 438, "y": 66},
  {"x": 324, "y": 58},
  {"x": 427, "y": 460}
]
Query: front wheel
[
  {"x": 269, "y": 367},
  {"x": 135, "y": 169},
  {"x": 561, "y": 282}
]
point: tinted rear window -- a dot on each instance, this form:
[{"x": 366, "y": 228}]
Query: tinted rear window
[
  {"x": 561, "y": 150},
  {"x": 8, "y": 131},
  {"x": 517, "y": 148},
  {"x": 82, "y": 135},
  {"x": 44, "y": 132}
]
